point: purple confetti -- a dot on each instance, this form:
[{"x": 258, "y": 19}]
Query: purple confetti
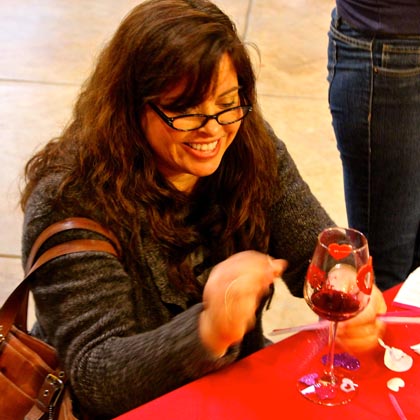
[
  {"x": 343, "y": 360},
  {"x": 309, "y": 379}
]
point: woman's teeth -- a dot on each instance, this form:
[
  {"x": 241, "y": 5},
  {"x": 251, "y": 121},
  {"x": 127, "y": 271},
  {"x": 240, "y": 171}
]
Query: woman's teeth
[{"x": 208, "y": 147}]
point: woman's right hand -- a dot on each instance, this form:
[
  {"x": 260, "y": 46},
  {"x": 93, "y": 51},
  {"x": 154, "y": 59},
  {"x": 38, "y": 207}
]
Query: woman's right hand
[
  {"x": 360, "y": 334},
  {"x": 232, "y": 295}
]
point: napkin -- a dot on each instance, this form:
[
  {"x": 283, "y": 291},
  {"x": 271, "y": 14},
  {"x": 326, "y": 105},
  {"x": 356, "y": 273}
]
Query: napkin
[{"x": 409, "y": 293}]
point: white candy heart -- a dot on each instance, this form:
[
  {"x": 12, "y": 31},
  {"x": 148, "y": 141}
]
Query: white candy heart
[
  {"x": 394, "y": 384},
  {"x": 395, "y": 359}
]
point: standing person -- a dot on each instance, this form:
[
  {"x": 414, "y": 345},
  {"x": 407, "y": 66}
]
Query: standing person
[
  {"x": 374, "y": 76},
  {"x": 168, "y": 149}
]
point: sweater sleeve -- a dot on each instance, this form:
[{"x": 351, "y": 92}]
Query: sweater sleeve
[
  {"x": 297, "y": 218},
  {"x": 86, "y": 308}
]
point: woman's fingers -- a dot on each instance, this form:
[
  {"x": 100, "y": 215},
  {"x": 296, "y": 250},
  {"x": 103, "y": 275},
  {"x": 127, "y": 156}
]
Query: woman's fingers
[
  {"x": 279, "y": 266},
  {"x": 361, "y": 333},
  {"x": 232, "y": 295}
]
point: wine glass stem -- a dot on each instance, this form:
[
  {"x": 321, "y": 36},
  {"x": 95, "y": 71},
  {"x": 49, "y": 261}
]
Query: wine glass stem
[{"x": 329, "y": 368}]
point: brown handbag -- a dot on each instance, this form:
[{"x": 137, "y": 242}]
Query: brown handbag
[{"x": 32, "y": 385}]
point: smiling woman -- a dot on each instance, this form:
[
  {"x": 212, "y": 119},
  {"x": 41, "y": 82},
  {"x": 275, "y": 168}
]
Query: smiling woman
[{"x": 162, "y": 149}]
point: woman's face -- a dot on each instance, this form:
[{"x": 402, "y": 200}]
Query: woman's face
[{"x": 183, "y": 157}]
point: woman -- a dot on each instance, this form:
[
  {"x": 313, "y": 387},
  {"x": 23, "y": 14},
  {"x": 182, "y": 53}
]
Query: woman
[{"x": 167, "y": 148}]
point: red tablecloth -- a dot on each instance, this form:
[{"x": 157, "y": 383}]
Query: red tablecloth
[{"x": 263, "y": 385}]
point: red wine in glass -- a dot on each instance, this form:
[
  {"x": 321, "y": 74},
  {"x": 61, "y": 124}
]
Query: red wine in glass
[
  {"x": 337, "y": 287},
  {"x": 337, "y": 305}
]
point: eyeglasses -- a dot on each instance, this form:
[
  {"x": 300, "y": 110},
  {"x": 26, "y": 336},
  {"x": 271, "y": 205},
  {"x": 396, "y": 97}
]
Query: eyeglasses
[{"x": 190, "y": 122}]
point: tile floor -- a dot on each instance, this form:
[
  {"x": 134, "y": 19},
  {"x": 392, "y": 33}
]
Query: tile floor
[{"x": 47, "y": 48}]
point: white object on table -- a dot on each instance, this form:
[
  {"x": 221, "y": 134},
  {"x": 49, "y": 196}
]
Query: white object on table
[{"x": 409, "y": 293}]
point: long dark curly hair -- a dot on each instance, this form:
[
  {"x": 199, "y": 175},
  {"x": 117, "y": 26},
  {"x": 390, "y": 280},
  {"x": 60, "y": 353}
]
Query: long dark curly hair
[{"x": 107, "y": 160}]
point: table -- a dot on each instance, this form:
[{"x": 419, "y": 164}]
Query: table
[{"x": 263, "y": 385}]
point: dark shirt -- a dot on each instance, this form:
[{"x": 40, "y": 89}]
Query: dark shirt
[{"x": 401, "y": 17}]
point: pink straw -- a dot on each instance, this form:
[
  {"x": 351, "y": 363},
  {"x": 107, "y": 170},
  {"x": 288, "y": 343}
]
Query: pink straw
[
  {"x": 397, "y": 407},
  {"x": 390, "y": 318}
]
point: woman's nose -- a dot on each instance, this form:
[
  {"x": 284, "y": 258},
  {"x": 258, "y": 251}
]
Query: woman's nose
[{"x": 212, "y": 127}]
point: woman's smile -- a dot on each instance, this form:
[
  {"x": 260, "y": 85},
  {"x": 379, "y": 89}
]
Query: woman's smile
[{"x": 204, "y": 147}]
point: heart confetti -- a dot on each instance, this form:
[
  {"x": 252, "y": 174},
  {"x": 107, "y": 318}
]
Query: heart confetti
[
  {"x": 326, "y": 392},
  {"x": 347, "y": 385},
  {"x": 309, "y": 379},
  {"x": 343, "y": 360}
]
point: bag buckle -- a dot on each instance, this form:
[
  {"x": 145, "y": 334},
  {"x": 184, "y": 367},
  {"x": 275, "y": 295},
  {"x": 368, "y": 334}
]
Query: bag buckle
[{"x": 50, "y": 391}]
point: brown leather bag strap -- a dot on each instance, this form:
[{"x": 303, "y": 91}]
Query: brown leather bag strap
[
  {"x": 68, "y": 224},
  {"x": 14, "y": 309},
  {"x": 77, "y": 245}
]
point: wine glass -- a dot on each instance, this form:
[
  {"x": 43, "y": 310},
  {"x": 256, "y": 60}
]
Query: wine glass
[{"x": 337, "y": 287}]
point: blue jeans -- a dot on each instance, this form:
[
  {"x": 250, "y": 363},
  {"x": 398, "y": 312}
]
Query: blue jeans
[{"x": 374, "y": 98}]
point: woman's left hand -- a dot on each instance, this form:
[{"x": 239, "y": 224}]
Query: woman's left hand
[{"x": 360, "y": 334}]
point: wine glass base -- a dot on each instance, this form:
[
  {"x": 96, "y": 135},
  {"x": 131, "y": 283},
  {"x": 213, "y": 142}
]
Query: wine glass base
[{"x": 323, "y": 392}]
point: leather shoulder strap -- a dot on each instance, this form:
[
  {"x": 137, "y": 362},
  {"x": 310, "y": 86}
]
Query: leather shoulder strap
[
  {"x": 68, "y": 224},
  {"x": 14, "y": 309}
]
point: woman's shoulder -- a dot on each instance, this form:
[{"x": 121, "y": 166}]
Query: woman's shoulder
[
  {"x": 43, "y": 195},
  {"x": 39, "y": 210}
]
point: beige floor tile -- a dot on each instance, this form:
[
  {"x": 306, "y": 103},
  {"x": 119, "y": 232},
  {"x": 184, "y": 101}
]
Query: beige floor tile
[
  {"x": 31, "y": 114},
  {"x": 303, "y": 124},
  {"x": 285, "y": 311},
  {"x": 55, "y": 41},
  {"x": 292, "y": 40},
  {"x": 11, "y": 274}
]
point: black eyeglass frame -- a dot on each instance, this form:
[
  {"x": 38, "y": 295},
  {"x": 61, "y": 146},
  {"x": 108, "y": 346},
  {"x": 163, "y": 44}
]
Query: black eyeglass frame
[{"x": 170, "y": 120}]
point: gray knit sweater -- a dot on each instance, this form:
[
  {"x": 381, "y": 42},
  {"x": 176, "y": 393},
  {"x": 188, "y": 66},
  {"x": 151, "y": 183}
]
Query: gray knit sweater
[{"x": 124, "y": 334}]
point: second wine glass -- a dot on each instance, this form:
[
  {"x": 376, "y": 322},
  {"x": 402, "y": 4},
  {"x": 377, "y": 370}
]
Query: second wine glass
[{"x": 337, "y": 287}]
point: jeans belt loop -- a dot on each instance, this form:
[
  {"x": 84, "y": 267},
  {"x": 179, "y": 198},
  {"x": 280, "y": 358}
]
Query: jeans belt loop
[{"x": 336, "y": 19}]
